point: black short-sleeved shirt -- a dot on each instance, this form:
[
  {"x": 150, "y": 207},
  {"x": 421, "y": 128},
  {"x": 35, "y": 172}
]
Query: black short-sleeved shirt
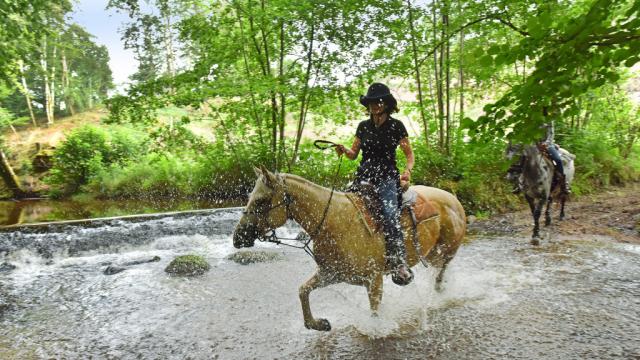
[{"x": 378, "y": 147}]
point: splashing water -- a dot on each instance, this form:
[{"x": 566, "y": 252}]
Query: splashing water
[{"x": 502, "y": 298}]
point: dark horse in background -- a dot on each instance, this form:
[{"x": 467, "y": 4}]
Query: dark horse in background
[{"x": 536, "y": 181}]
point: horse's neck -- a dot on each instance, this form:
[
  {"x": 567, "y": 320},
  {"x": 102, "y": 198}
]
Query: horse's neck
[
  {"x": 309, "y": 201},
  {"x": 533, "y": 162},
  {"x": 533, "y": 169}
]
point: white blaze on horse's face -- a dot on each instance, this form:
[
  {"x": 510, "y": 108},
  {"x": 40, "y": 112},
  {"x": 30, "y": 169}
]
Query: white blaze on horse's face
[{"x": 265, "y": 211}]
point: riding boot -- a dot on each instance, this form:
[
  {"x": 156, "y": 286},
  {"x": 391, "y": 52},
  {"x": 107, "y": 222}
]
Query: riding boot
[{"x": 401, "y": 273}]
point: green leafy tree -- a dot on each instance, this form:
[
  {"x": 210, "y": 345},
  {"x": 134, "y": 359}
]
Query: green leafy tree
[{"x": 574, "y": 49}]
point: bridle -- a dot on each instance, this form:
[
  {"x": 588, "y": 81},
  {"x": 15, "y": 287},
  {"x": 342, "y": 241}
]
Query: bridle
[{"x": 271, "y": 236}]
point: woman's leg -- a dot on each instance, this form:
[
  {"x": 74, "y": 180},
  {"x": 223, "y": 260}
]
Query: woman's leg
[
  {"x": 555, "y": 156},
  {"x": 395, "y": 248}
]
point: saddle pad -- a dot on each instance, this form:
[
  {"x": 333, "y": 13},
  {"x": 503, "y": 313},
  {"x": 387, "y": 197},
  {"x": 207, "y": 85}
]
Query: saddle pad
[
  {"x": 424, "y": 209},
  {"x": 364, "y": 213}
]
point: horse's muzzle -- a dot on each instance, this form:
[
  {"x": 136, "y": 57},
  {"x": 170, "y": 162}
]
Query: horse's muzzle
[{"x": 245, "y": 236}]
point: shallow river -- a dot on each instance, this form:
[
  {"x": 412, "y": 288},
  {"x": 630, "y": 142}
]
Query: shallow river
[{"x": 502, "y": 298}]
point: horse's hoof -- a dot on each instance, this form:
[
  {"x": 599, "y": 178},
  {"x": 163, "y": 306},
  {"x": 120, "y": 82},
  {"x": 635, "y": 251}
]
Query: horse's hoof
[
  {"x": 320, "y": 325},
  {"x": 535, "y": 241},
  {"x": 439, "y": 287},
  {"x": 547, "y": 222}
]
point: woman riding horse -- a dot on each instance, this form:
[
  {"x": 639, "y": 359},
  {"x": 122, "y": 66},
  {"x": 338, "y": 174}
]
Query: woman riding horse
[
  {"x": 378, "y": 138},
  {"x": 546, "y": 145}
]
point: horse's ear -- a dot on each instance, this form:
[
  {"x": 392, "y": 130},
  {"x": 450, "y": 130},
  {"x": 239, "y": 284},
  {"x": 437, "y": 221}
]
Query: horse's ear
[
  {"x": 257, "y": 171},
  {"x": 269, "y": 178}
]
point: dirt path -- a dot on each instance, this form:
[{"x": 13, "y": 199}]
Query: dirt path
[{"x": 614, "y": 213}]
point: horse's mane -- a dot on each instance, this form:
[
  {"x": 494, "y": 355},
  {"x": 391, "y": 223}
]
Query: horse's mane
[{"x": 299, "y": 179}]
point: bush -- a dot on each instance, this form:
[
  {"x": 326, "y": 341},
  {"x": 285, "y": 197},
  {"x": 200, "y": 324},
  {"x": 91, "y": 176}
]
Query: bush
[{"x": 88, "y": 151}]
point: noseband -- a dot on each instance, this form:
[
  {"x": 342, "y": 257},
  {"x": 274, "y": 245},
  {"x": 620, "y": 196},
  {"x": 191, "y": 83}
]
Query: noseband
[{"x": 285, "y": 202}]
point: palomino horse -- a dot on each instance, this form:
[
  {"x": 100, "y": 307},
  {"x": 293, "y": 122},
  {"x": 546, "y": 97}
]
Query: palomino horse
[
  {"x": 536, "y": 182},
  {"x": 345, "y": 249}
]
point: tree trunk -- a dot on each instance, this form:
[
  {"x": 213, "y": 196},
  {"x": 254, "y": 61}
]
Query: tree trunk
[
  {"x": 168, "y": 43},
  {"x": 303, "y": 96},
  {"x": 281, "y": 151},
  {"x": 52, "y": 87},
  {"x": 45, "y": 72},
  {"x": 461, "y": 75},
  {"x": 27, "y": 96},
  {"x": 68, "y": 99},
  {"x": 416, "y": 66},
  {"x": 254, "y": 107},
  {"x": 445, "y": 27},
  {"x": 439, "y": 85},
  {"x": 273, "y": 95},
  {"x": 90, "y": 93},
  {"x": 10, "y": 178}
]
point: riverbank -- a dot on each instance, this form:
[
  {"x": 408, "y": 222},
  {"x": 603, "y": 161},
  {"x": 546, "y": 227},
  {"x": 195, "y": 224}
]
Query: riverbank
[{"x": 614, "y": 212}]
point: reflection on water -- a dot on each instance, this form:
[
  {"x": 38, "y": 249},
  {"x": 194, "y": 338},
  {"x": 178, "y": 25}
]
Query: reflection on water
[
  {"x": 33, "y": 211},
  {"x": 502, "y": 299}
]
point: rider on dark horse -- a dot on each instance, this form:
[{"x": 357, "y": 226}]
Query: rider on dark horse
[
  {"x": 378, "y": 138},
  {"x": 548, "y": 147}
]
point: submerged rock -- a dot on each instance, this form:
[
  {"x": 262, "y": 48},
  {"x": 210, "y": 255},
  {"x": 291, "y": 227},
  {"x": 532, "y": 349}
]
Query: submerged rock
[
  {"x": 143, "y": 261},
  {"x": 250, "y": 257},
  {"x": 188, "y": 265},
  {"x": 112, "y": 270},
  {"x": 6, "y": 267}
]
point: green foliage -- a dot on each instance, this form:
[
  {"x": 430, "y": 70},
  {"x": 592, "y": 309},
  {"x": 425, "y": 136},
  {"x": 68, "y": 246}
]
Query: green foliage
[
  {"x": 86, "y": 152},
  {"x": 598, "y": 164},
  {"x": 575, "y": 48},
  {"x": 24, "y": 23},
  {"x": 474, "y": 172},
  {"x": 7, "y": 119}
]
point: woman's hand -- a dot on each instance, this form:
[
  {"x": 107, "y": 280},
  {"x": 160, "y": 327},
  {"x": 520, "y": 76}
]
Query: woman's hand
[
  {"x": 406, "y": 175},
  {"x": 340, "y": 149}
]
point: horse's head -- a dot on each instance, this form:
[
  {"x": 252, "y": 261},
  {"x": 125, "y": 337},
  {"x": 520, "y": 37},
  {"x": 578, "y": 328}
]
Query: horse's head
[
  {"x": 512, "y": 150},
  {"x": 266, "y": 210}
]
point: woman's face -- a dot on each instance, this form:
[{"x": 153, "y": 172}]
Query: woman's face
[{"x": 376, "y": 107}]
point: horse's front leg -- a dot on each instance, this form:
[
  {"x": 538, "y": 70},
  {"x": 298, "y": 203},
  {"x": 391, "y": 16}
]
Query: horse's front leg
[
  {"x": 374, "y": 290},
  {"x": 315, "y": 282},
  {"x": 547, "y": 213},
  {"x": 535, "y": 239}
]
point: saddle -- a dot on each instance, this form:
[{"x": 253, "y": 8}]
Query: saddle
[{"x": 366, "y": 200}]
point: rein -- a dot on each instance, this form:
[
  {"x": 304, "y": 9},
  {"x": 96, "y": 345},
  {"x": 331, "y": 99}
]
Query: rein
[{"x": 271, "y": 236}]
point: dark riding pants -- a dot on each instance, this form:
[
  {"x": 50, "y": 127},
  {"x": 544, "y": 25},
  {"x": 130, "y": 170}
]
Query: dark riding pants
[
  {"x": 555, "y": 156},
  {"x": 395, "y": 249}
]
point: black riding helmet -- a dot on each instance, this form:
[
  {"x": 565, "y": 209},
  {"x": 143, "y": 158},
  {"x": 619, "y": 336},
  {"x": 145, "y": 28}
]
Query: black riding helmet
[{"x": 380, "y": 92}]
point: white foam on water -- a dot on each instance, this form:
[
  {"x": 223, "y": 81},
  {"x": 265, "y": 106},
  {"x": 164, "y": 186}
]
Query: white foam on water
[
  {"x": 348, "y": 305},
  {"x": 180, "y": 242},
  {"x": 632, "y": 248}
]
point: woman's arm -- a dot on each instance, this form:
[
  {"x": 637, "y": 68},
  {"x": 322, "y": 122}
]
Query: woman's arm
[
  {"x": 408, "y": 153},
  {"x": 352, "y": 153}
]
